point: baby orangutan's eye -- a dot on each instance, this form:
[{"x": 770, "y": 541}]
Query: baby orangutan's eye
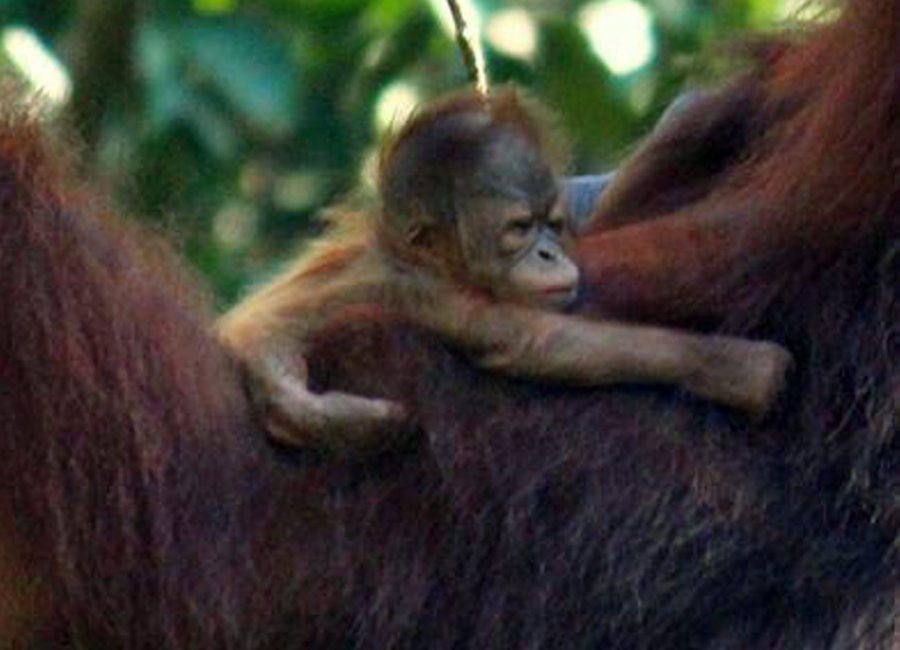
[
  {"x": 557, "y": 224},
  {"x": 520, "y": 226},
  {"x": 517, "y": 234}
]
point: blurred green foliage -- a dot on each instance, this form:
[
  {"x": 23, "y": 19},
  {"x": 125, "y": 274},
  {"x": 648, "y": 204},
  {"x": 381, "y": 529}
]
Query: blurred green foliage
[{"x": 234, "y": 121}]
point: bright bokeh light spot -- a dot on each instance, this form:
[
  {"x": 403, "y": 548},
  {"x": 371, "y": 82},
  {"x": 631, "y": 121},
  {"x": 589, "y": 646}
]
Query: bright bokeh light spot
[
  {"x": 806, "y": 10},
  {"x": 298, "y": 190},
  {"x": 395, "y": 104},
  {"x": 37, "y": 64},
  {"x": 235, "y": 225},
  {"x": 620, "y": 33},
  {"x": 513, "y": 32}
]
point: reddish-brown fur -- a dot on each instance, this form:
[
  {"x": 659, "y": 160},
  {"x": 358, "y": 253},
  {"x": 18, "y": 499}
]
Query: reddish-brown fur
[{"x": 148, "y": 511}]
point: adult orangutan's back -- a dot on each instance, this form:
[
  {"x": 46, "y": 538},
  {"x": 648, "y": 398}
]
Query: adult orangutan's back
[
  {"x": 143, "y": 509},
  {"x": 635, "y": 518},
  {"x": 124, "y": 437}
]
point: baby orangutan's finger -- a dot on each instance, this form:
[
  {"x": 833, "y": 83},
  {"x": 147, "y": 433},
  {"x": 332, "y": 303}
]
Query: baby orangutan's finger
[{"x": 336, "y": 421}]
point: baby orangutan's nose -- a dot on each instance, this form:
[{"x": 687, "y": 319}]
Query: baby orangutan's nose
[{"x": 547, "y": 255}]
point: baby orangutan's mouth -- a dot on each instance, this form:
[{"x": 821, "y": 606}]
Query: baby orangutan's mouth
[
  {"x": 560, "y": 290},
  {"x": 558, "y": 297}
]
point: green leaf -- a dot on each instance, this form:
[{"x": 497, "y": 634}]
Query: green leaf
[
  {"x": 215, "y": 7},
  {"x": 321, "y": 13},
  {"x": 389, "y": 14},
  {"x": 574, "y": 82}
]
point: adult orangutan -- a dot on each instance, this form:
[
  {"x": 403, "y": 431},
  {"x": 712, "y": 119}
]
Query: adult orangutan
[{"x": 141, "y": 507}]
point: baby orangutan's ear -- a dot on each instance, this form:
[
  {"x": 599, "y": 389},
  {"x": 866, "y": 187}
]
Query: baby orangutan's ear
[
  {"x": 421, "y": 236},
  {"x": 414, "y": 234}
]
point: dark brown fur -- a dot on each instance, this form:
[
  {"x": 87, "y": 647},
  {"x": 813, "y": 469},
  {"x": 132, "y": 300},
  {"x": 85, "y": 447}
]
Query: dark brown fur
[{"x": 148, "y": 511}]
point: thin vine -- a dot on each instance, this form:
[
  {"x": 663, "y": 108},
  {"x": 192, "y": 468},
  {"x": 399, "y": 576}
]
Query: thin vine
[{"x": 472, "y": 54}]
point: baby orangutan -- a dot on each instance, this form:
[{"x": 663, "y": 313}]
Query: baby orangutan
[{"x": 469, "y": 241}]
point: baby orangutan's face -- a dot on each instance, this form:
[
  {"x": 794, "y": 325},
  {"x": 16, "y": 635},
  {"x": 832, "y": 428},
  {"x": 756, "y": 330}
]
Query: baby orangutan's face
[{"x": 514, "y": 239}]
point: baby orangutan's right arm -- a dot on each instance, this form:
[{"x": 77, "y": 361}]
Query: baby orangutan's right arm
[{"x": 524, "y": 342}]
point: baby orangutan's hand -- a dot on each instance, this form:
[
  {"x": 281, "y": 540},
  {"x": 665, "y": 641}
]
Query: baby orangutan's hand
[
  {"x": 335, "y": 422},
  {"x": 746, "y": 375}
]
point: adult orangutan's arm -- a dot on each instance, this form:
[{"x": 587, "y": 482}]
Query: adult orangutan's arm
[{"x": 660, "y": 270}]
